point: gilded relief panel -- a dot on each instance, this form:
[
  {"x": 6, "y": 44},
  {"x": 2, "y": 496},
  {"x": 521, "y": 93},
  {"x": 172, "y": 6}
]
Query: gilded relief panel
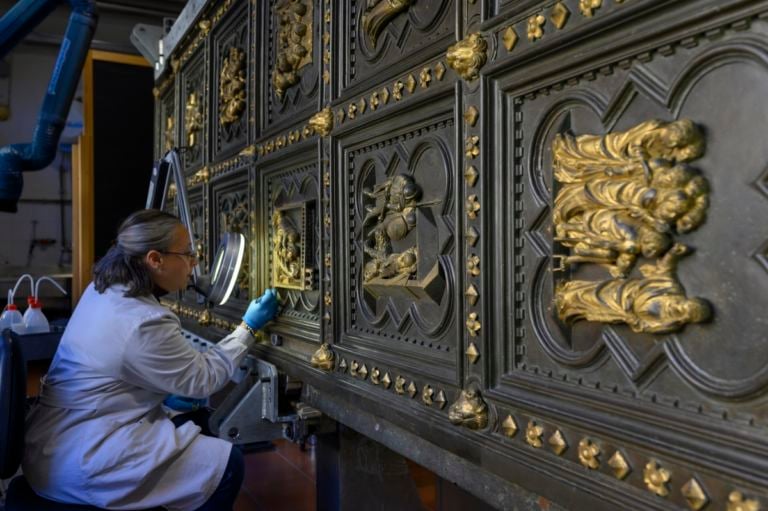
[
  {"x": 634, "y": 275},
  {"x": 168, "y": 123},
  {"x": 289, "y": 236},
  {"x": 290, "y": 89},
  {"x": 193, "y": 107},
  {"x": 229, "y": 83},
  {"x": 398, "y": 216},
  {"x": 637, "y": 277},
  {"x": 231, "y": 213},
  {"x": 382, "y": 38}
]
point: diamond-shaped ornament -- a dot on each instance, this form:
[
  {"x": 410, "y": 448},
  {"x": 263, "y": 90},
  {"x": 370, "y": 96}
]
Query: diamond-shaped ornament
[
  {"x": 471, "y": 115},
  {"x": 559, "y": 15},
  {"x": 472, "y": 294},
  {"x": 439, "y": 70},
  {"x": 509, "y": 38},
  {"x": 694, "y": 494},
  {"x": 472, "y": 236},
  {"x": 440, "y": 400},
  {"x": 509, "y": 426},
  {"x": 471, "y": 175},
  {"x": 472, "y": 353},
  {"x": 619, "y": 465}
]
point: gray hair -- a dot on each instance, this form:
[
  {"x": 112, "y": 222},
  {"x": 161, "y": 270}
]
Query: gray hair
[{"x": 142, "y": 231}]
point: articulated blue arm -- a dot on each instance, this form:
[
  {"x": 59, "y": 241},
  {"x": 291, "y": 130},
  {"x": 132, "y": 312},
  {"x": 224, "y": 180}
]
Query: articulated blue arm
[{"x": 23, "y": 17}]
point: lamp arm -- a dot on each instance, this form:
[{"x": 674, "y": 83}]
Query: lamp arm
[{"x": 173, "y": 160}]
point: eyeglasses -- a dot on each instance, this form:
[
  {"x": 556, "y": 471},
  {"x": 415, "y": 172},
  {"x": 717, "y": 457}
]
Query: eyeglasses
[{"x": 189, "y": 255}]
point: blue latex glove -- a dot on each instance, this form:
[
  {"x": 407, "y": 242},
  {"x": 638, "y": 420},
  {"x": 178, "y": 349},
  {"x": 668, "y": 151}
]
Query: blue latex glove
[
  {"x": 183, "y": 404},
  {"x": 261, "y": 310}
]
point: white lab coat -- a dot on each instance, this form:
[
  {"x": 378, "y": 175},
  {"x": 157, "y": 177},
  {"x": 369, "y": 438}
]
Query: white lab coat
[{"x": 99, "y": 435}]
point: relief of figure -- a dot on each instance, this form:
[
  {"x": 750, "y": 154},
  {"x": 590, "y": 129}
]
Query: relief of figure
[
  {"x": 610, "y": 238},
  {"x": 394, "y": 216},
  {"x": 577, "y": 159},
  {"x": 390, "y": 219},
  {"x": 656, "y": 303},
  {"x": 401, "y": 266},
  {"x": 287, "y": 250},
  {"x": 623, "y": 196},
  {"x": 666, "y": 196},
  {"x": 294, "y": 43},
  {"x": 232, "y": 86},
  {"x": 395, "y": 195}
]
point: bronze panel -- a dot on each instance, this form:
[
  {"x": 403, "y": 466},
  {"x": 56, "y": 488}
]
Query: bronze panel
[
  {"x": 292, "y": 62},
  {"x": 398, "y": 255},
  {"x": 645, "y": 373},
  {"x": 379, "y": 39},
  {"x": 288, "y": 200},
  {"x": 230, "y": 79},
  {"x": 168, "y": 122},
  {"x": 193, "y": 108}
]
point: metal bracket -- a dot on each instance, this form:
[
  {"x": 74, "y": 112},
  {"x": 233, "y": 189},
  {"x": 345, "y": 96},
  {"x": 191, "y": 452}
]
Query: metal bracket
[
  {"x": 146, "y": 39},
  {"x": 250, "y": 413}
]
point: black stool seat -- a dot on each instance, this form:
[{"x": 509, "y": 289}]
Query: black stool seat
[{"x": 21, "y": 497}]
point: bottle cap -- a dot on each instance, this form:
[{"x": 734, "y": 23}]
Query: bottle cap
[{"x": 11, "y": 307}]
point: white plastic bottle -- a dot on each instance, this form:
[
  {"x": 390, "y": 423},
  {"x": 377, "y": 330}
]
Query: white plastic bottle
[
  {"x": 35, "y": 320},
  {"x": 11, "y": 318}
]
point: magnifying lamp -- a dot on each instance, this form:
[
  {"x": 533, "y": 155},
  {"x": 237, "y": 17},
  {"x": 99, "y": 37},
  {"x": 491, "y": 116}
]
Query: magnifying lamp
[{"x": 216, "y": 286}]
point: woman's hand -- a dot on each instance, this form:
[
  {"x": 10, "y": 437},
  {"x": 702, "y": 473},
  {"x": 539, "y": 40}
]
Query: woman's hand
[{"x": 261, "y": 310}]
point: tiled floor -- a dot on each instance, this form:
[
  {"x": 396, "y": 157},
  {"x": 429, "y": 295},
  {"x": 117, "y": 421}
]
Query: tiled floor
[
  {"x": 284, "y": 479},
  {"x": 279, "y": 479}
]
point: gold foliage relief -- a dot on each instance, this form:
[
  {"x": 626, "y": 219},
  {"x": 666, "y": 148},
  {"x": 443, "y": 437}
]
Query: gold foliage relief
[
  {"x": 232, "y": 86},
  {"x": 294, "y": 43},
  {"x": 623, "y": 196}
]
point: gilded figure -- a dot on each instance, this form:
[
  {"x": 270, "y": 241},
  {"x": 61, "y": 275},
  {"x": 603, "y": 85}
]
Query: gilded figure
[
  {"x": 193, "y": 118},
  {"x": 621, "y": 197},
  {"x": 294, "y": 43},
  {"x": 393, "y": 215},
  {"x": 232, "y": 92},
  {"x": 170, "y": 130},
  {"x": 286, "y": 250},
  {"x": 655, "y": 303}
]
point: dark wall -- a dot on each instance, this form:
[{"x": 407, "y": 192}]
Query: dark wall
[{"x": 123, "y": 109}]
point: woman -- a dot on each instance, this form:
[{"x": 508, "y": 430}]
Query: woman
[{"x": 99, "y": 435}]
